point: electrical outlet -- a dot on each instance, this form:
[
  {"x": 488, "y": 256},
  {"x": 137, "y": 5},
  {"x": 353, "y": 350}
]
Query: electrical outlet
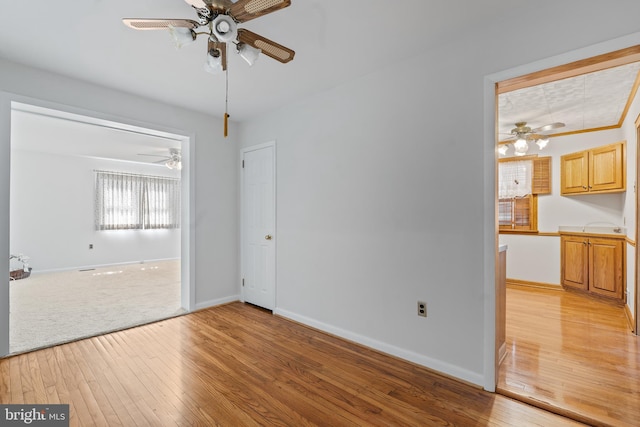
[
  {"x": 422, "y": 308},
  {"x": 90, "y": 245}
]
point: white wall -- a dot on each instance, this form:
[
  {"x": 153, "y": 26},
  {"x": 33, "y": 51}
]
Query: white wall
[
  {"x": 381, "y": 191},
  {"x": 213, "y": 172},
  {"x": 52, "y": 211}
]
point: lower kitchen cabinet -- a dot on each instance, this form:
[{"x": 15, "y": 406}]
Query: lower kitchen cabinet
[{"x": 593, "y": 264}]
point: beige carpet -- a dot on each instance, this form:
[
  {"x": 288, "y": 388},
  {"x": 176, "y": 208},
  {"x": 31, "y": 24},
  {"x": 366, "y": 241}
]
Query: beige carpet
[{"x": 53, "y": 308}]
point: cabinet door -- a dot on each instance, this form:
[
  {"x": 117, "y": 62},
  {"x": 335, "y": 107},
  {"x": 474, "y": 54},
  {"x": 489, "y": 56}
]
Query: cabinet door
[
  {"x": 575, "y": 258},
  {"x": 605, "y": 267},
  {"x": 574, "y": 176},
  {"x": 606, "y": 168}
]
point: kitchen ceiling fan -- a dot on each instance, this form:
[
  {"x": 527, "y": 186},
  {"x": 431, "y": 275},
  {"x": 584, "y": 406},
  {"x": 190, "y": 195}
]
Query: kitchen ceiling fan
[
  {"x": 522, "y": 135},
  {"x": 219, "y": 19},
  {"x": 172, "y": 161}
]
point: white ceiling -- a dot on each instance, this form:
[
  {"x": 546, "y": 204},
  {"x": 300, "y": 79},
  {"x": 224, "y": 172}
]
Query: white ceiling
[
  {"x": 43, "y": 130},
  {"x": 589, "y": 101},
  {"x": 335, "y": 41}
]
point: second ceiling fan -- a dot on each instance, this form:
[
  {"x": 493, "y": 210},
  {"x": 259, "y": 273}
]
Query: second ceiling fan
[{"x": 522, "y": 134}]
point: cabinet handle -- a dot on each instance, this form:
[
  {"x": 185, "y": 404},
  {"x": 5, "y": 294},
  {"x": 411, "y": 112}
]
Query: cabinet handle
[
  {"x": 590, "y": 187},
  {"x": 584, "y": 187},
  {"x": 584, "y": 243}
]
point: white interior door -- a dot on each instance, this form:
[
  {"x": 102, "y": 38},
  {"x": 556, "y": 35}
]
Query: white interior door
[{"x": 258, "y": 226}]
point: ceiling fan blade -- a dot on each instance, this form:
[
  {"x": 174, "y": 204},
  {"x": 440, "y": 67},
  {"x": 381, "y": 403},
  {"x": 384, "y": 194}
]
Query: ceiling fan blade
[
  {"x": 245, "y": 10},
  {"x": 268, "y": 47},
  {"x": 548, "y": 127},
  {"x": 159, "y": 24},
  {"x": 164, "y": 156}
]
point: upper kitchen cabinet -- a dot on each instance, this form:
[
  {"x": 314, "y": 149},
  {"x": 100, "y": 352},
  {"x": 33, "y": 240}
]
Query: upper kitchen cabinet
[{"x": 599, "y": 170}]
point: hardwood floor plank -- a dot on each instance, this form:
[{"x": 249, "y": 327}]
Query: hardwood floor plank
[
  {"x": 5, "y": 380},
  {"x": 573, "y": 354},
  {"x": 236, "y": 365}
]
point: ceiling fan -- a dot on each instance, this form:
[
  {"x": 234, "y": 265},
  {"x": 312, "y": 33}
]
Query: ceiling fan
[
  {"x": 219, "y": 21},
  {"x": 172, "y": 161},
  {"x": 523, "y": 134}
]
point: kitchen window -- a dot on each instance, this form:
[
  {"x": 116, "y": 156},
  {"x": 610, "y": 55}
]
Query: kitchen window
[{"x": 520, "y": 181}]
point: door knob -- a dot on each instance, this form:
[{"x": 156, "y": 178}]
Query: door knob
[{"x": 267, "y": 237}]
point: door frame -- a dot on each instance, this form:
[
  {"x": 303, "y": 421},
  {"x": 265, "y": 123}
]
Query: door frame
[
  {"x": 636, "y": 276},
  {"x": 490, "y": 146},
  {"x": 243, "y": 151},
  {"x": 187, "y": 238}
]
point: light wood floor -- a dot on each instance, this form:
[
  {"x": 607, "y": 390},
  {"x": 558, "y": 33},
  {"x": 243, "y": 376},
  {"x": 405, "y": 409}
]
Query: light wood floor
[
  {"x": 237, "y": 365},
  {"x": 572, "y": 353}
]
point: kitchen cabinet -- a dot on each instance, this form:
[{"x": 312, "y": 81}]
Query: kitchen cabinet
[
  {"x": 599, "y": 170},
  {"x": 593, "y": 263}
]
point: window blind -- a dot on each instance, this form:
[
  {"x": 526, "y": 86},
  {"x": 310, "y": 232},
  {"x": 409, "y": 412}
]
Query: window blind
[{"x": 126, "y": 201}]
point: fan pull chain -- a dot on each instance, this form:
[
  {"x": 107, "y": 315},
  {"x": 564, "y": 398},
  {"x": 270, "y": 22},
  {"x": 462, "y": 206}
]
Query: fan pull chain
[{"x": 226, "y": 104}]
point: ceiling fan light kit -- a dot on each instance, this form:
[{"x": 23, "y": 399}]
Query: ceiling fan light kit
[
  {"x": 523, "y": 135},
  {"x": 220, "y": 18}
]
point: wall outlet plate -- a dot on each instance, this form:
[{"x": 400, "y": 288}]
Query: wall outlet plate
[{"x": 422, "y": 308}]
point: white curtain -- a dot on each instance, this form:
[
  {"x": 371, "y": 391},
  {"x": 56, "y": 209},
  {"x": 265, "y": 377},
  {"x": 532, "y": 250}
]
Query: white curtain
[
  {"x": 514, "y": 178},
  {"x": 128, "y": 201}
]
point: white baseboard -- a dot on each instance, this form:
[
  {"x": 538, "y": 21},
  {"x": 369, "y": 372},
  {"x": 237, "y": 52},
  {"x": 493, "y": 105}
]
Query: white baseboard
[
  {"x": 88, "y": 267},
  {"x": 215, "y": 302},
  {"x": 428, "y": 362}
]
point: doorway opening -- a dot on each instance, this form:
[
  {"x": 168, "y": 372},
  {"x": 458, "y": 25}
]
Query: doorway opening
[
  {"x": 79, "y": 279},
  {"x": 551, "y": 331}
]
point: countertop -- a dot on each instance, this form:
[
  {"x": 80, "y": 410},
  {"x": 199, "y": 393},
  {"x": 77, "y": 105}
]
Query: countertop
[{"x": 609, "y": 230}]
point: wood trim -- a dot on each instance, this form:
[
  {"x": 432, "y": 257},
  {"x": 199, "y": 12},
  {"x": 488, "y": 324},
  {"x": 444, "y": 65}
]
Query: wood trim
[
  {"x": 573, "y": 69},
  {"x": 516, "y": 283},
  {"x": 636, "y": 275},
  {"x": 630, "y": 242},
  {"x": 518, "y": 158},
  {"x": 531, "y": 233},
  {"x": 549, "y": 234},
  {"x": 632, "y": 96},
  {"x": 630, "y": 319}
]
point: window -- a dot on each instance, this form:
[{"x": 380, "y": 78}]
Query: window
[
  {"x": 520, "y": 181},
  {"x": 135, "y": 202}
]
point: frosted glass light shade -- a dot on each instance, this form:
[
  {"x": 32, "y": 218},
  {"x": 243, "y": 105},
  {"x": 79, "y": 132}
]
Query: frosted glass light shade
[
  {"x": 213, "y": 64},
  {"x": 181, "y": 36},
  {"x": 521, "y": 147},
  {"x": 503, "y": 149},
  {"x": 174, "y": 164},
  {"x": 542, "y": 142},
  {"x": 249, "y": 53}
]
